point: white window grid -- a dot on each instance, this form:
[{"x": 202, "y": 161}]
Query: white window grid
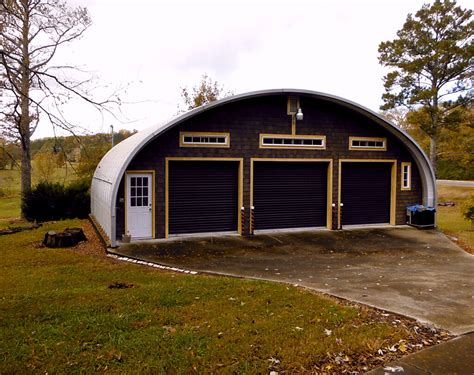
[
  {"x": 406, "y": 176},
  {"x": 139, "y": 191},
  {"x": 366, "y": 143},
  {"x": 275, "y": 141},
  {"x": 205, "y": 139}
]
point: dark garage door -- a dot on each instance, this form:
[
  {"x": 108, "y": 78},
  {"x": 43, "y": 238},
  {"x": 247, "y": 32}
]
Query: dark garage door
[
  {"x": 290, "y": 194},
  {"x": 365, "y": 193},
  {"x": 203, "y": 196}
]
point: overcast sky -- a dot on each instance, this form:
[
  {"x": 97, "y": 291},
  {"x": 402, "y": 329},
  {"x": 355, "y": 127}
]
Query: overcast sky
[{"x": 156, "y": 47}]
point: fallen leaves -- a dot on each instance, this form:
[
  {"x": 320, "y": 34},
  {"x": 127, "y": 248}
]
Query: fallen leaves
[
  {"x": 169, "y": 329},
  {"x": 380, "y": 353},
  {"x": 403, "y": 348}
]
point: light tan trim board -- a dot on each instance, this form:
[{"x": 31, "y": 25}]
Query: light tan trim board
[
  {"x": 166, "y": 197},
  {"x": 393, "y": 195},
  {"x": 201, "y": 158},
  {"x": 306, "y": 160},
  {"x": 393, "y": 186},
  {"x": 251, "y": 224},
  {"x": 240, "y": 197},
  {"x": 402, "y": 179},
  {"x": 204, "y": 144},
  {"x": 293, "y": 136},
  {"x": 291, "y": 113},
  {"x": 152, "y": 171},
  {"x": 368, "y": 139},
  {"x": 197, "y": 158},
  {"x": 329, "y": 195}
]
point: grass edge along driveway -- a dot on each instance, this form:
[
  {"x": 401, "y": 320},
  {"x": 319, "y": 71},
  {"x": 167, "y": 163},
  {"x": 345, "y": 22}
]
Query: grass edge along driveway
[{"x": 59, "y": 315}]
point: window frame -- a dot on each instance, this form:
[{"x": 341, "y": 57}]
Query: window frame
[
  {"x": 137, "y": 192},
  {"x": 405, "y": 186},
  {"x": 226, "y": 136},
  {"x": 367, "y": 148},
  {"x": 321, "y": 138}
]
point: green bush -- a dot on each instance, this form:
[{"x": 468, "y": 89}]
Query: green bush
[
  {"x": 79, "y": 200},
  {"x": 468, "y": 209},
  {"x": 53, "y": 201}
]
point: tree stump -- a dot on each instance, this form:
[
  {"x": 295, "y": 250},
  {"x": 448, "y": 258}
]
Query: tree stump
[{"x": 69, "y": 237}]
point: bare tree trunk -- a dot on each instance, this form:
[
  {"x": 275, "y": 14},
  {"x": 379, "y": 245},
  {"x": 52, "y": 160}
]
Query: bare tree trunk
[
  {"x": 25, "y": 135},
  {"x": 434, "y": 128},
  {"x": 24, "y": 121},
  {"x": 434, "y": 152},
  {"x": 25, "y": 169}
]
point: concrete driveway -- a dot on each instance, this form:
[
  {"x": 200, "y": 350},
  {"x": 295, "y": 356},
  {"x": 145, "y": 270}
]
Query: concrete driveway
[{"x": 416, "y": 273}]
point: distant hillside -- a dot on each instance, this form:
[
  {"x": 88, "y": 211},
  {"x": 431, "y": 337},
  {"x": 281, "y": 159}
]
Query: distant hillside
[
  {"x": 68, "y": 148},
  {"x": 75, "y": 146}
]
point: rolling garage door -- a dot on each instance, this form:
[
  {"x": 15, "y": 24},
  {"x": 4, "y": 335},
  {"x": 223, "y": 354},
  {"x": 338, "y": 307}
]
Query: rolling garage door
[
  {"x": 289, "y": 194},
  {"x": 203, "y": 196},
  {"x": 365, "y": 193}
]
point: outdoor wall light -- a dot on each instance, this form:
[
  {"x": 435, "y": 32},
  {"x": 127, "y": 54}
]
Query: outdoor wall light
[{"x": 299, "y": 114}]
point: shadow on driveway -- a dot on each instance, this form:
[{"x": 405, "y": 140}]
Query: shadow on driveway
[{"x": 416, "y": 273}]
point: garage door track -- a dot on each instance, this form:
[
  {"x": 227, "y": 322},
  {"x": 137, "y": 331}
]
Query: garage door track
[{"x": 420, "y": 274}]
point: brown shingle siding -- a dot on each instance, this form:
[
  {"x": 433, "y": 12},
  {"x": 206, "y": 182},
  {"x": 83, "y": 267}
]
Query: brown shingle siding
[{"x": 246, "y": 119}]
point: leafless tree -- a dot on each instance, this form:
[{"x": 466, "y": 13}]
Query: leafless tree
[{"x": 31, "y": 86}]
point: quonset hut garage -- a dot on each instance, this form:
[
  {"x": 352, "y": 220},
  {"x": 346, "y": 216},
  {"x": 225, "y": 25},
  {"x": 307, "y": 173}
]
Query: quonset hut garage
[{"x": 265, "y": 160}]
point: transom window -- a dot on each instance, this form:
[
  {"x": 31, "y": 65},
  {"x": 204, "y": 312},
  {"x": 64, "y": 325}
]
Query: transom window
[
  {"x": 406, "y": 176},
  {"x": 138, "y": 191},
  {"x": 367, "y": 143},
  {"x": 292, "y": 141},
  {"x": 199, "y": 139}
]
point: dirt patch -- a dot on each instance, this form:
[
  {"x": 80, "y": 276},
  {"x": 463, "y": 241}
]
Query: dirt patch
[
  {"x": 12, "y": 229},
  {"x": 93, "y": 245},
  {"x": 120, "y": 285}
]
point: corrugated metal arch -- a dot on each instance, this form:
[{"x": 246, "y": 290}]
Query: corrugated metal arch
[{"x": 109, "y": 172}]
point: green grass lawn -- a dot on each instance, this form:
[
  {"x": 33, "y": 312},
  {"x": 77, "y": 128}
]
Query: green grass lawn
[
  {"x": 450, "y": 219},
  {"x": 9, "y": 207},
  {"x": 58, "y": 315}
]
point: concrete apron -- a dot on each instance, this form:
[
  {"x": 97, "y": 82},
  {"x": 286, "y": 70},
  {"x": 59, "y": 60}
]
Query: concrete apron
[
  {"x": 452, "y": 357},
  {"x": 417, "y": 273}
]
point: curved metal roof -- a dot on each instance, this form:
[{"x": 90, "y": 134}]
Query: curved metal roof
[{"x": 111, "y": 168}]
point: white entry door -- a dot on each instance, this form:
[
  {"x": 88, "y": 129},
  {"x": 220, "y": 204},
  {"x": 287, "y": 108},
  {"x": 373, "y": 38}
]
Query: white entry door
[{"x": 139, "y": 205}]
